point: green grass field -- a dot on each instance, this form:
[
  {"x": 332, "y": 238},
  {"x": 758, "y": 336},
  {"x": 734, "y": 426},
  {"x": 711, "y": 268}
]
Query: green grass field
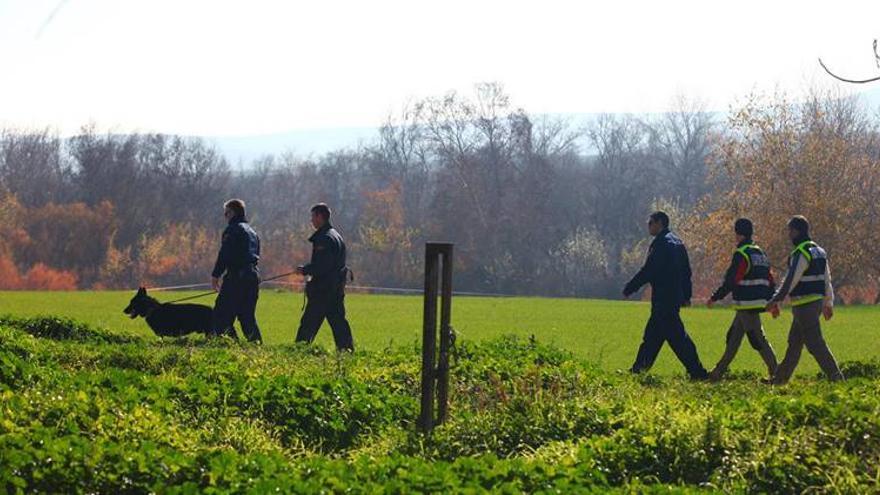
[{"x": 606, "y": 333}]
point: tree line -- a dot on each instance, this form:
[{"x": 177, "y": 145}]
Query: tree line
[{"x": 535, "y": 205}]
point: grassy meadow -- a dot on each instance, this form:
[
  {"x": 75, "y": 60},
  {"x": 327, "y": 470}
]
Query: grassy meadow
[{"x": 604, "y": 333}]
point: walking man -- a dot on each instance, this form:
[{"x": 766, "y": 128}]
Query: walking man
[
  {"x": 668, "y": 270},
  {"x": 750, "y": 281},
  {"x": 325, "y": 288},
  {"x": 808, "y": 285},
  {"x": 240, "y": 286}
]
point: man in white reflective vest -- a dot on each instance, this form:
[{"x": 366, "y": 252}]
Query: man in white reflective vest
[{"x": 808, "y": 285}]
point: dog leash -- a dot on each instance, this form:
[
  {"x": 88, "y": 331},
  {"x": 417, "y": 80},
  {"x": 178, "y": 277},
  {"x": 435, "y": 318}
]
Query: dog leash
[
  {"x": 372, "y": 289},
  {"x": 197, "y": 296},
  {"x": 189, "y": 298},
  {"x": 177, "y": 287}
]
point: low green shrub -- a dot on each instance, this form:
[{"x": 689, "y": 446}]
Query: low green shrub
[
  {"x": 56, "y": 328},
  {"x": 83, "y": 410}
]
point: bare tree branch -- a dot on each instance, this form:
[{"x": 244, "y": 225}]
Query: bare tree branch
[
  {"x": 876, "y": 55},
  {"x": 854, "y": 81},
  {"x": 49, "y": 19}
]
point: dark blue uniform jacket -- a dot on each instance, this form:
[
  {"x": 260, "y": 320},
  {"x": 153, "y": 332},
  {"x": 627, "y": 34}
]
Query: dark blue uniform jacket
[
  {"x": 327, "y": 266},
  {"x": 240, "y": 249},
  {"x": 668, "y": 270}
]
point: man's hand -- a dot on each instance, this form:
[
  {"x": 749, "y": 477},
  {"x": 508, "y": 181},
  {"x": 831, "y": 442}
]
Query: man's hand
[
  {"x": 773, "y": 309},
  {"x": 828, "y": 312},
  {"x": 301, "y": 270},
  {"x": 215, "y": 284},
  {"x": 710, "y": 303}
]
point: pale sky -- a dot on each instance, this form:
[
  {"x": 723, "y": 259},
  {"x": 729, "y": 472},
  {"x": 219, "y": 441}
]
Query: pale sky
[{"x": 253, "y": 67}]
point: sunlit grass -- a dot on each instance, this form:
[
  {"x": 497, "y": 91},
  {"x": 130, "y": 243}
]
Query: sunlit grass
[{"x": 604, "y": 332}]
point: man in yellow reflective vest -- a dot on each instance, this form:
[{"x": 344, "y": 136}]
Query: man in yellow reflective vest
[
  {"x": 808, "y": 285},
  {"x": 749, "y": 280}
]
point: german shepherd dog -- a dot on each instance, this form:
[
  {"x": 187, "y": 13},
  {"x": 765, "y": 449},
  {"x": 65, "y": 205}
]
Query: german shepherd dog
[{"x": 170, "y": 320}]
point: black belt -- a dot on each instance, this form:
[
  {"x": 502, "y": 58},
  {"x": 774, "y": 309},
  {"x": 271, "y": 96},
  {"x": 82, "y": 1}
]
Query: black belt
[{"x": 240, "y": 272}]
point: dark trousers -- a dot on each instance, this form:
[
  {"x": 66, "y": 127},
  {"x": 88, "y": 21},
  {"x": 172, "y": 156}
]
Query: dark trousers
[
  {"x": 666, "y": 326},
  {"x": 329, "y": 304},
  {"x": 238, "y": 299}
]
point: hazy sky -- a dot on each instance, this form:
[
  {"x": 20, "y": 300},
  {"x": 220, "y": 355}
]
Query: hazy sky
[{"x": 250, "y": 67}]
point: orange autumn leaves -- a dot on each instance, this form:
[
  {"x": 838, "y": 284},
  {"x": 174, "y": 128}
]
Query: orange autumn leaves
[
  {"x": 776, "y": 159},
  {"x": 71, "y": 246}
]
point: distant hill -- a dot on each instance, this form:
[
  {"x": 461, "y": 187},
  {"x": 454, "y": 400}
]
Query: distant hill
[
  {"x": 245, "y": 149},
  {"x": 872, "y": 96}
]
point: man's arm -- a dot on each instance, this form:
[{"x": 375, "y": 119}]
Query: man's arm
[
  {"x": 223, "y": 255},
  {"x": 795, "y": 272},
  {"x": 645, "y": 274},
  {"x": 735, "y": 273},
  {"x": 322, "y": 263},
  {"x": 687, "y": 285},
  {"x": 828, "y": 304},
  {"x": 829, "y": 288},
  {"x": 233, "y": 250}
]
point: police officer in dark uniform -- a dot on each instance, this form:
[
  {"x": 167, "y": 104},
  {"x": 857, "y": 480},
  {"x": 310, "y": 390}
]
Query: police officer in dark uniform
[
  {"x": 325, "y": 288},
  {"x": 668, "y": 270},
  {"x": 237, "y": 264}
]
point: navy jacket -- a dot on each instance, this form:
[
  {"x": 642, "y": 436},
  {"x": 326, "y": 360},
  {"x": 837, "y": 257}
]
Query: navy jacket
[
  {"x": 327, "y": 266},
  {"x": 668, "y": 270},
  {"x": 240, "y": 248}
]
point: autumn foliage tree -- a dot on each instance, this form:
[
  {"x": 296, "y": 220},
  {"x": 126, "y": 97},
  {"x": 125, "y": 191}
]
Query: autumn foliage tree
[
  {"x": 779, "y": 158},
  {"x": 69, "y": 236},
  {"x": 32, "y": 238},
  {"x": 385, "y": 241},
  {"x": 181, "y": 252}
]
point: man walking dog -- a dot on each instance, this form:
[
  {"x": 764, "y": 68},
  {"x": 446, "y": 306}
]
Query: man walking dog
[
  {"x": 240, "y": 286},
  {"x": 325, "y": 288},
  {"x": 750, "y": 281}
]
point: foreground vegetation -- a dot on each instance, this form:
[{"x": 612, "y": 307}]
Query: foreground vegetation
[{"x": 90, "y": 410}]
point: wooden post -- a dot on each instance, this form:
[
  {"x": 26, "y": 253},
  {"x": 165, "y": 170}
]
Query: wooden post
[
  {"x": 445, "y": 338},
  {"x": 430, "y": 372},
  {"x": 429, "y": 339}
]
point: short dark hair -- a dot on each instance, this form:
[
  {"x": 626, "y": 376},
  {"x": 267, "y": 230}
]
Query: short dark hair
[
  {"x": 743, "y": 227},
  {"x": 322, "y": 209},
  {"x": 236, "y": 205},
  {"x": 662, "y": 217},
  {"x": 799, "y": 223}
]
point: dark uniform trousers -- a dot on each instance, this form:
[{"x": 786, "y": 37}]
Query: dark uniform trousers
[
  {"x": 665, "y": 325},
  {"x": 329, "y": 304},
  {"x": 238, "y": 299}
]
